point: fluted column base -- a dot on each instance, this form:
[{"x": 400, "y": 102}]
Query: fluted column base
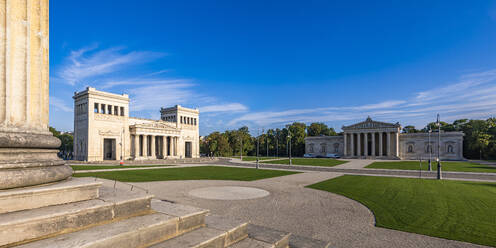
[{"x": 30, "y": 159}]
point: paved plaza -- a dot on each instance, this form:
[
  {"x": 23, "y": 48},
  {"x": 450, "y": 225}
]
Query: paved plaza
[{"x": 302, "y": 211}]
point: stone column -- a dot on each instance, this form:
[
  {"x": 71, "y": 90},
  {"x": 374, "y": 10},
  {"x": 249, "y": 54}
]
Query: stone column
[
  {"x": 28, "y": 151},
  {"x": 352, "y": 144},
  {"x": 381, "y": 152},
  {"x": 345, "y": 148},
  {"x": 145, "y": 145},
  {"x": 373, "y": 144},
  {"x": 173, "y": 146},
  {"x": 359, "y": 144},
  {"x": 388, "y": 142},
  {"x": 136, "y": 146},
  {"x": 164, "y": 146},
  {"x": 152, "y": 147},
  {"x": 366, "y": 144},
  {"x": 397, "y": 144}
]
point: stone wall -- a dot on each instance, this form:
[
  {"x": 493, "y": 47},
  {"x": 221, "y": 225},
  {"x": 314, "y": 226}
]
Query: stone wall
[
  {"x": 322, "y": 145},
  {"x": 416, "y": 145}
]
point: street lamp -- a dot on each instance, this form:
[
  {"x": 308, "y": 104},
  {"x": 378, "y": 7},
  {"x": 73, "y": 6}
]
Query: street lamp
[
  {"x": 277, "y": 144},
  {"x": 258, "y": 143},
  {"x": 430, "y": 148},
  {"x": 267, "y": 141},
  {"x": 439, "y": 176},
  {"x": 241, "y": 148},
  {"x": 289, "y": 138}
]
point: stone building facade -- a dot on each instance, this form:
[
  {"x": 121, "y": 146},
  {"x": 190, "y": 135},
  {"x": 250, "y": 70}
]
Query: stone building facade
[
  {"x": 373, "y": 139},
  {"x": 103, "y": 130}
]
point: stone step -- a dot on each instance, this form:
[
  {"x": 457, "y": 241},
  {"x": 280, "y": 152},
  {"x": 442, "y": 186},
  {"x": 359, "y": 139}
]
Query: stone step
[
  {"x": 26, "y": 225},
  {"x": 190, "y": 218},
  {"x": 200, "y": 238},
  {"x": 219, "y": 232},
  {"x": 236, "y": 230},
  {"x": 277, "y": 238},
  {"x": 71, "y": 190},
  {"x": 140, "y": 231}
]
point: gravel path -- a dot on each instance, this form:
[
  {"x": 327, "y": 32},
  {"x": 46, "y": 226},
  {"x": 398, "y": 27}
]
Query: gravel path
[
  {"x": 307, "y": 212},
  {"x": 355, "y": 163}
]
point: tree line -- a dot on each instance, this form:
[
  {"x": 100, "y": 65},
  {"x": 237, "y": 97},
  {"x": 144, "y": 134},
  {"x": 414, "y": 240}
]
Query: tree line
[
  {"x": 479, "y": 140},
  {"x": 272, "y": 142}
]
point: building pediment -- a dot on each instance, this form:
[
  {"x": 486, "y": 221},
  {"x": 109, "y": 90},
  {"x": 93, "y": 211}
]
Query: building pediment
[{"x": 370, "y": 124}]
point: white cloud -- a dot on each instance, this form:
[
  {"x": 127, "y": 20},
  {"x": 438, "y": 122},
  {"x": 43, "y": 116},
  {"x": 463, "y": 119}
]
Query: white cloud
[
  {"x": 230, "y": 107},
  {"x": 381, "y": 105},
  {"x": 87, "y": 63}
]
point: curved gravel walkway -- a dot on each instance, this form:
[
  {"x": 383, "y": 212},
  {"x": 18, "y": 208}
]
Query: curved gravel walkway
[{"x": 307, "y": 212}]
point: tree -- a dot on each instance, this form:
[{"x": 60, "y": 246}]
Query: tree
[
  {"x": 298, "y": 134},
  {"x": 67, "y": 142},
  {"x": 319, "y": 128},
  {"x": 410, "y": 129}
]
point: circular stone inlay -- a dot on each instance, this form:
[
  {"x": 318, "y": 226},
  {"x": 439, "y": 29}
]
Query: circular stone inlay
[{"x": 228, "y": 193}]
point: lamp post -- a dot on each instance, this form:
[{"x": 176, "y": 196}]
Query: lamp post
[
  {"x": 258, "y": 143},
  {"x": 430, "y": 148},
  {"x": 267, "y": 141},
  {"x": 241, "y": 148},
  {"x": 439, "y": 176},
  {"x": 289, "y": 140},
  {"x": 277, "y": 144}
]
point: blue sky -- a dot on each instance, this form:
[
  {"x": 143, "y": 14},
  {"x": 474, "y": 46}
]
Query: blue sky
[{"x": 269, "y": 63}]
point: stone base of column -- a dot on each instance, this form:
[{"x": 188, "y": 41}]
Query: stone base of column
[{"x": 28, "y": 159}]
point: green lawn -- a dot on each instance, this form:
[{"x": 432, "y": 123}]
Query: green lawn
[
  {"x": 446, "y": 166},
  {"x": 254, "y": 158},
  {"x": 106, "y": 167},
  {"x": 457, "y": 210},
  {"x": 188, "y": 173},
  {"x": 310, "y": 161}
]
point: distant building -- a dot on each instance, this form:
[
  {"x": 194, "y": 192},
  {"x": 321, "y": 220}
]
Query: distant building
[
  {"x": 103, "y": 130},
  {"x": 373, "y": 139}
]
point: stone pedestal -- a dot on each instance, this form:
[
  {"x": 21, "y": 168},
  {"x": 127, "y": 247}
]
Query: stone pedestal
[{"x": 28, "y": 151}]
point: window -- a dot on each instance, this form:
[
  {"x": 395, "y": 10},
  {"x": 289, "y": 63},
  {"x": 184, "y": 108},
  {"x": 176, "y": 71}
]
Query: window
[
  {"x": 310, "y": 148},
  {"x": 336, "y": 148},
  {"x": 195, "y": 121},
  {"x": 428, "y": 149},
  {"x": 103, "y": 109},
  {"x": 116, "y": 110},
  {"x": 122, "y": 111},
  {"x": 109, "y": 107},
  {"x": 410, "y": 148},
  {"x": 322, "y": 148},
  {"x": 450, "y": 149},
  {"x": 96, "y": 108}
]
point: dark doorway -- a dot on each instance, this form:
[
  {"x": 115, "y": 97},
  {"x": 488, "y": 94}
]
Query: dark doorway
[
  {"x": 187, "y": 148},
  {"x": 108, "y": 149}
]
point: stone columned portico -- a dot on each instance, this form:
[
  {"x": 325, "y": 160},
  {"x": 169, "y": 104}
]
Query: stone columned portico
[{"x": 372, "y": 139}]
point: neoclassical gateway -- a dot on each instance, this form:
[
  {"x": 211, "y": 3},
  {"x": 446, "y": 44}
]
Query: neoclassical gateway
[
  {"x": 374, "y": 139},
  {"x": 103, "y": 130}
]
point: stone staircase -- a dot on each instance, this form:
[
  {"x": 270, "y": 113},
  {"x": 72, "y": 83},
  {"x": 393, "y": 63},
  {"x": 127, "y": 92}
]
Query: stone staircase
[{"x": 81, "y": 212}]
